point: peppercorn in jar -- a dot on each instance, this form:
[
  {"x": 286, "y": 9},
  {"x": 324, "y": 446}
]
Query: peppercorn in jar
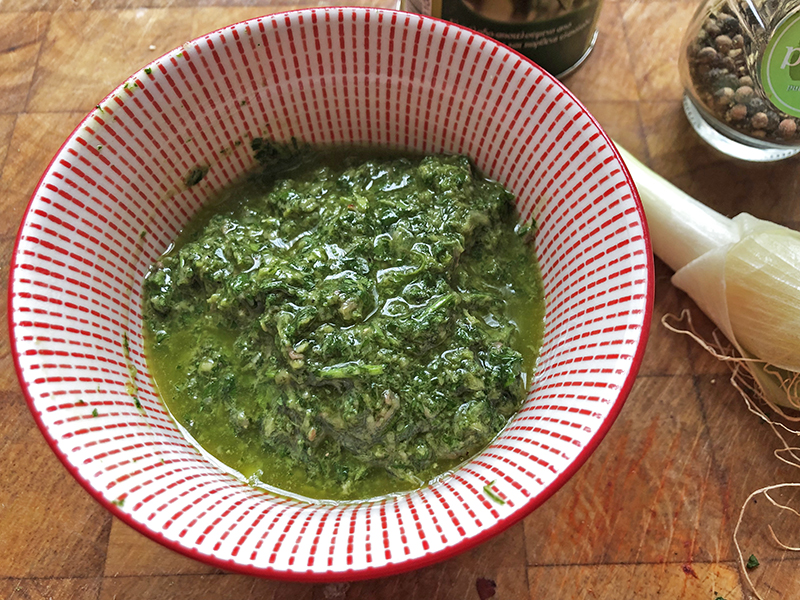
[{"x": 737, "y": 72}]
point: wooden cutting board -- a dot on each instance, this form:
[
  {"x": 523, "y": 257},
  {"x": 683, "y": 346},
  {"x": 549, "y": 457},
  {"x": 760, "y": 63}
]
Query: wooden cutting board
[{"x": 651, "y": 514}]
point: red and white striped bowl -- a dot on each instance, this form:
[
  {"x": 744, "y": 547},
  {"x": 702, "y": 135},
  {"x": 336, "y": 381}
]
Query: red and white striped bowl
[{"x": 114, "y": 197}]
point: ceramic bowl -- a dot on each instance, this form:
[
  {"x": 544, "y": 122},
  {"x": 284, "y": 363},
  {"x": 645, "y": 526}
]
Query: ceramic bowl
[{"x": 120, "y": 189}]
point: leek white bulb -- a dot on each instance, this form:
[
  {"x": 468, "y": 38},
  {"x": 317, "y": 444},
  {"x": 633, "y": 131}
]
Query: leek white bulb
[
  {"x": 744, "y": 273},
  {"x": 766, "y": 261}
]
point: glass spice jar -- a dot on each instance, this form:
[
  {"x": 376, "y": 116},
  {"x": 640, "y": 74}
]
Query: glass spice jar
[{"x": 740, "y": 69}]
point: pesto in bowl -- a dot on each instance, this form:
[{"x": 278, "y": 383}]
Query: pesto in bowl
[{"x": 347, "y": 328}]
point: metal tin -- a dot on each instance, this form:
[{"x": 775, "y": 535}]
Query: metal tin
[{"x": 558, "y": 35}]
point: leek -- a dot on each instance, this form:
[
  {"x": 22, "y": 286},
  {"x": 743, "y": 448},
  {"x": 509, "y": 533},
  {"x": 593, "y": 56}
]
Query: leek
[{"x": 743, "y": 273}]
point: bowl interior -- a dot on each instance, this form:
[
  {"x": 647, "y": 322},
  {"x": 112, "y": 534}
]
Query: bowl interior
[{"x": 125, "y": 183}]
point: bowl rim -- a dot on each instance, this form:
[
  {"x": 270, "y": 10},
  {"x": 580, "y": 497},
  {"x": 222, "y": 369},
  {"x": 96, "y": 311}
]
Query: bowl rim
[{"x": 370, "y": 572}]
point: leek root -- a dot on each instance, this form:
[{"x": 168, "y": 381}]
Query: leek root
[{"x": 743, "y": 273}]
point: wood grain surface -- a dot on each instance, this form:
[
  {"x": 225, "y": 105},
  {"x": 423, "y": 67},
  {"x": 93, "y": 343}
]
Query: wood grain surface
[{"x": 650, "y": 515}]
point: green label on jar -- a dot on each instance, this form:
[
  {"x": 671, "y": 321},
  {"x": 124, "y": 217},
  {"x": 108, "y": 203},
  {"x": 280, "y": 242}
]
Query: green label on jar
[
  {"x": 555, "y": 34},
  {"x": 780, "y": 66}
]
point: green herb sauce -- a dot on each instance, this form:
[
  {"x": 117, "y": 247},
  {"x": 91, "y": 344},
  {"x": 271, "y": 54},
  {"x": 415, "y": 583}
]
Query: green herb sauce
[{"x": 347, "y": 328}]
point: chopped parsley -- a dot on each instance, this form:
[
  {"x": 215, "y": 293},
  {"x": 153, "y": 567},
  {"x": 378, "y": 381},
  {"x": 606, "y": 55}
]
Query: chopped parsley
[
  {"x": 487, "y": 489},
  {"x": 195, "y": 175},
  {"x": 351, "y": 327}
]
